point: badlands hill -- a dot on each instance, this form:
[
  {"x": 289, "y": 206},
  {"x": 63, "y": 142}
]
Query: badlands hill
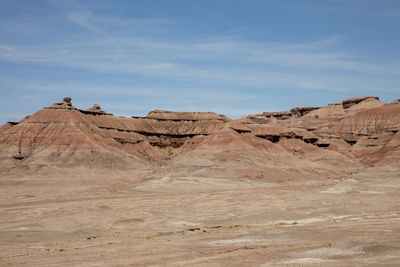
[
  {"x": 311, "y": 186},
  {"x": 305, "y": 142}
]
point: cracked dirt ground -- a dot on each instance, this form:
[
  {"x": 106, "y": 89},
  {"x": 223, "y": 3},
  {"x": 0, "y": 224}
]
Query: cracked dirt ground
[{"x": 352, "y": 221}]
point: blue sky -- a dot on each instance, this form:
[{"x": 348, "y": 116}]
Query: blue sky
[{"x": 228, "y": 56}]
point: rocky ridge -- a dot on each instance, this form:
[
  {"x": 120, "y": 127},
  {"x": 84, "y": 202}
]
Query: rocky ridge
[{"x": 303, "y": 142}]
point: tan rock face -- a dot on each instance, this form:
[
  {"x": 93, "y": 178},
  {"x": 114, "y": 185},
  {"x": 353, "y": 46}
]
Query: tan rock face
[{"x": 185, "y": 116}]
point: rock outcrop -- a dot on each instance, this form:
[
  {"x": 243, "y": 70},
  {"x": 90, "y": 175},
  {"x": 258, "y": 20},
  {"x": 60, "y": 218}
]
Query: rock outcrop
[
  {"x": 95, "y": 110},
  {"x": 297, "y": 112},
  {"x": 65, "y": 104},
  {"x": 355, "y": 100},
  {"x": 185, "y": 116},
  {"x": 283, "y": 115},
  {"x": 280, "y": 115}
]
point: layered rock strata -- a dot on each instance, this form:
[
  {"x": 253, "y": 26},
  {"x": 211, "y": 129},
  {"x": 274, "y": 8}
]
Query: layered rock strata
[{"x": 306, "y": 140}]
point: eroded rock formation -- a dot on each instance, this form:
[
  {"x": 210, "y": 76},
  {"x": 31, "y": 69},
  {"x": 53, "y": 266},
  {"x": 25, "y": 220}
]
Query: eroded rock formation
[
  {"x": 65, "y": 104},
  {"x": 306, "y": 140},
  {"x": 354, "y": 101},
  {"x": 301, "y": 111},
  {"x": 95, "y": 110}
]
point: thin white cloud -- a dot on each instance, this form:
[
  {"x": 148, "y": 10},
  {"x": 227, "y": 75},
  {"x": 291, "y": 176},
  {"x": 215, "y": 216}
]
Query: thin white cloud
[
  {"x": 77, "y": 14},
  {"x": 259, "y": 71},
  {"x": 319, "y": 44},
  {"x": 158, "y": 93},
  {"x": 144, "y": 57},
  {"x": 6, "y": 48},
  {"x": 82, "y": 18}
]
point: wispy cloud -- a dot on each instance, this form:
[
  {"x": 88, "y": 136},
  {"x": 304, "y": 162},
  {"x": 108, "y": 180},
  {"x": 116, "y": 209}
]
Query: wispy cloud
[
  {"x": 214, "y": 58},
  {"x": 250, "y": 63},
  {"x": 77, "y": 14},
  {"x": 82, "y": 18},
  {"x": 322, "y": 43},
  {"x": 6, "y": 48}
]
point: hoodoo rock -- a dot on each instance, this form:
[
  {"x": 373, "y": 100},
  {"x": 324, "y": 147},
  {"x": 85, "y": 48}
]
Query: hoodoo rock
[
  {"x": 96, "y": 110},
  {"x": 67, "y": 100},
  {"x": 65, "y": 104}
]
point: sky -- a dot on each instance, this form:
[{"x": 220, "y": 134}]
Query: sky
[{"x": 228, "y": 56}]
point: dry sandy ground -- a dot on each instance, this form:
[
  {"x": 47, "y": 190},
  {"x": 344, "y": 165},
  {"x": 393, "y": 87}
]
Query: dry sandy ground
[{"x": 200, "y": 221}]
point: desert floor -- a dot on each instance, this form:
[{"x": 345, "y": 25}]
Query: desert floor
[{"x": 200, "y": 221}]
